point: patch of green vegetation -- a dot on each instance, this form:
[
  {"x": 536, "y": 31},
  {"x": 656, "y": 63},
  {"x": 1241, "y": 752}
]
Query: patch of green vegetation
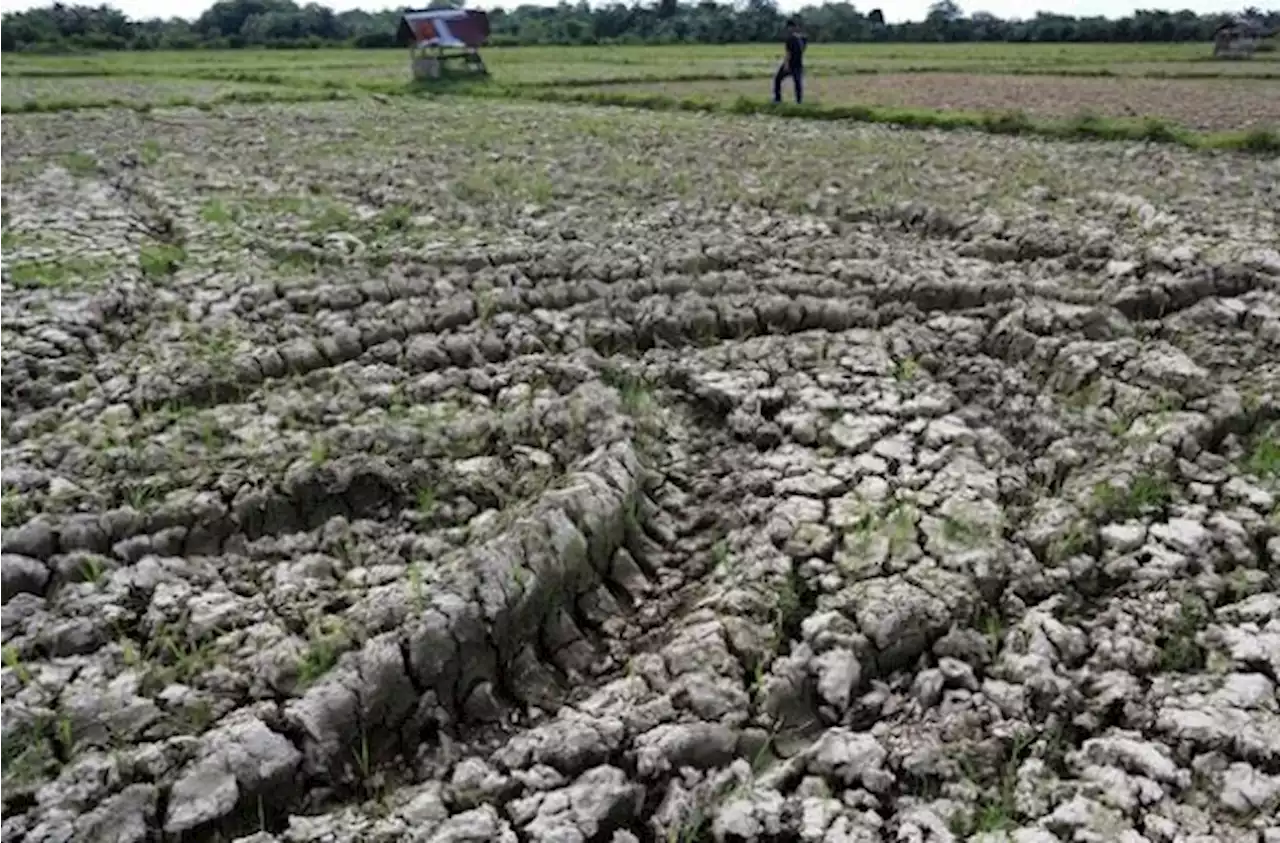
[
  {"x": 634, "y": 392},
  {"x": 1076, "y": 539},
  {"x": 906, "y": 369},
  {"x": 139, "y": 494},
  {"x": 393, "y": 218},
  {"x": 13, "y": 508},
  {"x": 13, "y": 661},
  {"x": 161, "y": 259},
  {"x": 992, "y": 626},
  {"x": 1146, "y": 493},
  {"x": 720, "y": 554},
  {"x": 215, "y": 212},
  {"x": 503, "y": 181},
  {"x": 59, "y": 274},
  {"x": 319, "y": 452},
  {"x": 150, "y": 152},
  {"x": 1263, "y": 459},
  {"x": 80, "y": 163},
  {"x": 1090, "y": 128},
  {"x": 416, "y": 587},
  {"x": 282, "y": 204},
  {"x": 92, "y": 570},
  {"x": 331, "y": 217},
  {"x": 169, "y": 657},
  {"x": 427, "y": 501},
  {"x": 1179, "y": 652},
  {"x": 997, "y": 808},
  {"x": 1085, "y": 397},
  {"x": 29, "y": 754},
  {"x": 327, "y": 642},
  {"x": 964, "y": 532},
  {"x": 901, "y": 523},
  {"x": 486, "y": 305}
]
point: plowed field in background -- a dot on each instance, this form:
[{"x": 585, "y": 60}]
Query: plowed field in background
[{"x": 1211, "y": 104}]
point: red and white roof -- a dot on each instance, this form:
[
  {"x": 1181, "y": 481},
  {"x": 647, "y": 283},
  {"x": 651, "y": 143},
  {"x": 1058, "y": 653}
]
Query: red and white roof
[{"x": 446, "y": 27}]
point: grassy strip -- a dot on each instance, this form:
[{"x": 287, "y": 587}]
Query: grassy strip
[
  {"x": 844, "y": 70},
  {"x": 1084, "y": 127},
  {"x": 977, "y": 68},
  {"x": 285, "y": 95}
]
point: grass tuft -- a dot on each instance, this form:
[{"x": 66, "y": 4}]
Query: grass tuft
[{"x": 161, "y": 260}]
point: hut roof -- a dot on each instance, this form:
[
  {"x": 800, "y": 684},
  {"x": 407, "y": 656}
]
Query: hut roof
[{"x": 443, "y": 28}]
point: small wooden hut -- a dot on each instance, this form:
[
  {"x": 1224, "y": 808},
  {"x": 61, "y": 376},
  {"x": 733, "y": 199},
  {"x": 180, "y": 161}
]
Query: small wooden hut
[
  {"x": 439, "y": 36},
  {"x": 1238, "y": 39}
]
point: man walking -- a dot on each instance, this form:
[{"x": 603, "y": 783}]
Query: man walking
[{"x": 793, "y": 64}]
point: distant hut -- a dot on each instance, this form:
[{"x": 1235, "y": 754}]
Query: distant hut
[
  {"x": 438, "y": 36},
  {"x": 1238, "y": 39}
]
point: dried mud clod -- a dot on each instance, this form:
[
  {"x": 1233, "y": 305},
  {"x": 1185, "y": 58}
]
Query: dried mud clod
[{"x": 574, "y": 499}]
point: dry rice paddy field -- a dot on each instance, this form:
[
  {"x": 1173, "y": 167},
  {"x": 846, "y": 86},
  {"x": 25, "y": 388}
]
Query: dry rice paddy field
[
  {"x": 500, "y": 464},
  {"x": 1205, "y": 104}
]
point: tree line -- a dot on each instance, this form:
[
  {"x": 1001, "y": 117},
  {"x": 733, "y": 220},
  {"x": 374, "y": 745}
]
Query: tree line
[{"x": 283, "y": 23}]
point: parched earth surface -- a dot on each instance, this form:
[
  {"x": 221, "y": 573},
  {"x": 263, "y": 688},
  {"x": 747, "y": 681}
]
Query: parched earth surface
[
  {"x": 1208, "y": 104},
  {"x": 437, "y": 472}
]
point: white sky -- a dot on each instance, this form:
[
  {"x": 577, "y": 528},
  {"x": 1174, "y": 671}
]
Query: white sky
[{"x": 893, "y": 12}]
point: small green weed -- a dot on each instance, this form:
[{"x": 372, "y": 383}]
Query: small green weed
[
  {"x": 634, "y": 392},
  {"x": 13, "y": 661},
  {"x": 427, "y": 500},
  {"x": 1145, "y": 493},
  {"x": 1264, "y": 457},
  {"x": 906, "y": 369},
  {"x": 393, "y": 218},
  {"x": 720, "y": 554},
  {"x": 13, "y": 508},
  {"x": 961, "y": 532},
  {"x": 1179, "y": 652},
  {"x": 92, "y": 570},
  {"x": 1076, "y": 539},
  {"x": 216, "y": 213},
  {"x": 902, "y": 527},
  {"x": 328, "y": 641},
  {"x": 161, "y": 260},
  {"x": 80, "y": 163},
  {"x": 150, "y": 152},
  {"x": 331, "y": 218},
  {"x": 997, "y": 808},
  {"x": 61, "y": 274}
]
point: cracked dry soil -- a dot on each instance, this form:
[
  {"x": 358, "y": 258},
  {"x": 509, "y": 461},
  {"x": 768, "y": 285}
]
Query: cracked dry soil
[{"x": 631, "y": 477}]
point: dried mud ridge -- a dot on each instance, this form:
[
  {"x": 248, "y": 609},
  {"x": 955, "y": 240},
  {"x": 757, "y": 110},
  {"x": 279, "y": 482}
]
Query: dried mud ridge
[{"x": 907, "y": 525}]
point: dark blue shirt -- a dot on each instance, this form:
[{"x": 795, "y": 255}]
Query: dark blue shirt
[{"x": 795, "y": 52}]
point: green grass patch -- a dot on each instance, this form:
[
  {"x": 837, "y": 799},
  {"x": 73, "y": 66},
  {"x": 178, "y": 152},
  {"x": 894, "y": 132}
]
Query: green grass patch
[
  {"x": 215, "y": 212},
  {"x": 1263, "y": 459},
  {"x": 80, "y": 163},
  {"x": 1179, "y": 651},
  {"x": 1086, "y": 127},
  {"x": 1145, "y": 494},
  {"x": 57, "y": 274},
  {"x": 161, "y": 260}
]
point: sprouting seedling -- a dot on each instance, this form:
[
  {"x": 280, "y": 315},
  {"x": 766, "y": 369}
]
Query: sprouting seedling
[
  {"x": 92, "y": 570},
  {"x": 720, "y": 554},
  {"x": 66, "y": 736},
  {"x": 427, "y": 500},
  {"x": 416, "y": 587},
  {"x": 906, "y": 369},
  {"x": 13, "y": 661}
]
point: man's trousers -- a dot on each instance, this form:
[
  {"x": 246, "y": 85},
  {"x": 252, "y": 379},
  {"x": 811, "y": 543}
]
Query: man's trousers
[{"x": 797, "y": 79}]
